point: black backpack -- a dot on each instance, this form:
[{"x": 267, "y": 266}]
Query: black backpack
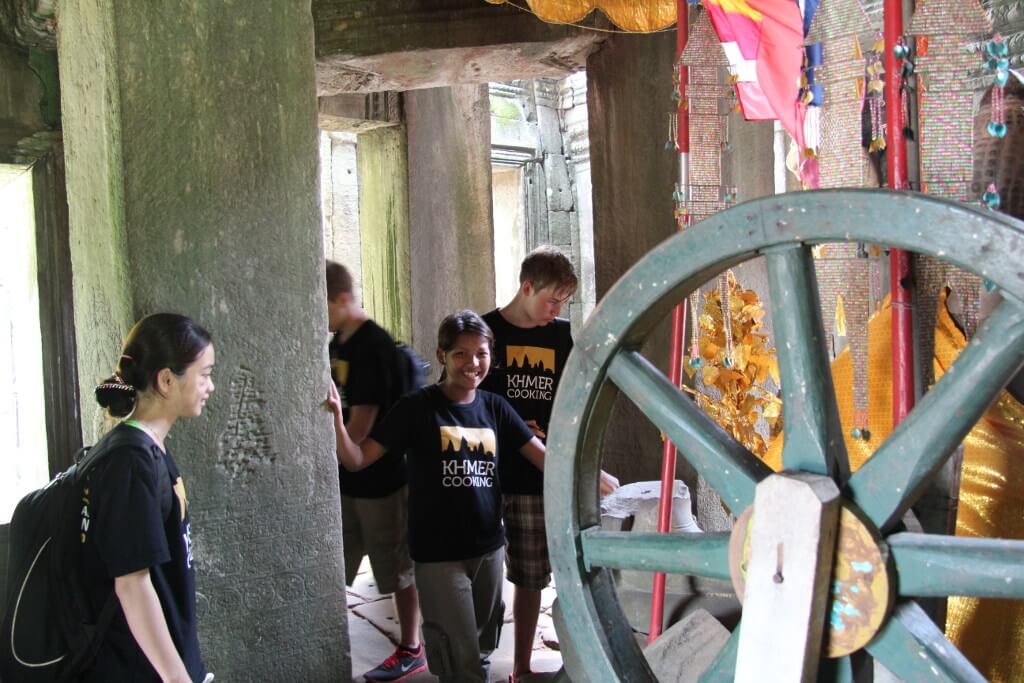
[
  {"x": 413, "y": 370},
  {"x": 49, "y": 632}
]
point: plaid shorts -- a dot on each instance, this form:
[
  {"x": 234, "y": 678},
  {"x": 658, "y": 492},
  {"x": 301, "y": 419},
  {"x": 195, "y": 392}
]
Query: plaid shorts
[{"x": 526, "y": 543}]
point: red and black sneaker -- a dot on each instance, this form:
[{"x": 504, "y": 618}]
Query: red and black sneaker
[{"x": 399, "y": 666}]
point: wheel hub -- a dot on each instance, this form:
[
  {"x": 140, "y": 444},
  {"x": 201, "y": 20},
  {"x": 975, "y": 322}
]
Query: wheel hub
[{"x": 862, "y": 585}]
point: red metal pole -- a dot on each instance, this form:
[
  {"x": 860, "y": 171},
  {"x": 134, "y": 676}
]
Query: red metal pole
[
  {"x": 668, "y": 477},
  {"x": 668, "y": 455},
  {"x": 899, "y": 260}
]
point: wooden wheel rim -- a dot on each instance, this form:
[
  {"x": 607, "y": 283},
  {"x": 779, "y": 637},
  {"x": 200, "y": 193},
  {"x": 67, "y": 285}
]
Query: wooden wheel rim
[{"x": 604, "y": 360}]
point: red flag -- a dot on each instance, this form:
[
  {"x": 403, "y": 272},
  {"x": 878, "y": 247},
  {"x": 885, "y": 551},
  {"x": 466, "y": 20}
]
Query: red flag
[{"x": 763, "y": 40}]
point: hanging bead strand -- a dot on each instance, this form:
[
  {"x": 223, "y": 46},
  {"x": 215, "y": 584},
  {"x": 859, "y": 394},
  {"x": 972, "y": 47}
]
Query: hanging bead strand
[
  {"x": 998, "y": 63},
  {"x": 876, "y": 94},
  {"x": 724, "y": 298},
  {"x": 695, "y": 359}
]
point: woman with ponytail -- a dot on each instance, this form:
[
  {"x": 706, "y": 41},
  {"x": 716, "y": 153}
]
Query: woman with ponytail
[{"x": 136, "y": 538}]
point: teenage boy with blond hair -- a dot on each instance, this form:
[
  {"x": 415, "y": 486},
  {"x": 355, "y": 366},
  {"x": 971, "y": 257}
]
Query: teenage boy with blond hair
[{"x": 531, "y": 345}]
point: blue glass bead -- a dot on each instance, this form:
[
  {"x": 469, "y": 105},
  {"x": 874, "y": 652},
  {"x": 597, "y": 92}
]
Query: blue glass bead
[
  {"x": 997, "y": 129},
  {"x": 989, "y": 286},
  {"x": 1001, "y": 77},
  {"x": 900, "y": 51},
  {"x": 727, "y": 362},
  {"x": 991, "y": 200},
  {"x": 696, "y": 363},
  {"x": 997, "y": 48},
  {"x": 856, "y": 433}
]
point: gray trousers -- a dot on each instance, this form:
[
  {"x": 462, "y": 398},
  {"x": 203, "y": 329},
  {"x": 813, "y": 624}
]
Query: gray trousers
[{"x": 462, "y": 614}]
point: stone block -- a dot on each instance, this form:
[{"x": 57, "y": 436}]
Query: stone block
[
  {"x": 687, "y": 649},
  {"x": 559, "y": 192},
  {"x": 636, "y": 604},
  {"x": 635, "y": 507},
  {"x": 559, "y": 224},
  {"x": 359, "y": 112},
  {"x": 639, "y": 501},
  {"x": 547, "y": 119}
]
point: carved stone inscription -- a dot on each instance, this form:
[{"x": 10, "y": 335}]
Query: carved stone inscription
[{"x": 244, "y": 446}]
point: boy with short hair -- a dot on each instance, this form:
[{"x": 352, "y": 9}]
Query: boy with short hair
[
  {"x": 531, "y": 346},
  {"x": 374, "y": 502}
]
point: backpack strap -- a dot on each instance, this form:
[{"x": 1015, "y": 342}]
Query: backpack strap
[{"x": 87, "y": 457}]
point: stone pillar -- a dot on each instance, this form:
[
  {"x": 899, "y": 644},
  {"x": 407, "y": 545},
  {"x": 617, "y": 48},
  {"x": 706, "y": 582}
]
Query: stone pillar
[
  {"x": 451, "y": 230},
  {"x": 339, "y": 203},
  {"x": 192, "y": 179},
  {"x": 384, "y": 229},
  {"x": 629, "y": 86},
  {"x": 576, "y": 142}
]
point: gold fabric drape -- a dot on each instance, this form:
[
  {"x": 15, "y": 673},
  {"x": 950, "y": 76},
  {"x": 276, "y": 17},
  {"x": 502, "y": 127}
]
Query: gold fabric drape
[
  {"x": 638, "y": 16},
  {"x": 989, "y": 632}
]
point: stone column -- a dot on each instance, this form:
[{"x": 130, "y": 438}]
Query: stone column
[
  {"x": 629, "y": 86},
  {"x": 192, "y": 179},
  {"x": 384, "y": 227},
  {"x": 451, "y": 231},
  {"x": 339, "y": 203},
  {"x": 576, "y": 142}
]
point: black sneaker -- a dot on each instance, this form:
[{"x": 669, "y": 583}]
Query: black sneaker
[{"x": 399, "y": 666}]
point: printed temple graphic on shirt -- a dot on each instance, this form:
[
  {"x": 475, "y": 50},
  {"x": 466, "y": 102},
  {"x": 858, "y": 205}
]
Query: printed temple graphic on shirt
[
  {"x": 530, "y": 372},
  {"x": 339, "y": 369},
  {"x": 467, "y": 457},
  {"x": 478, "y": 440},
  {"x": 533, "y": 357}
]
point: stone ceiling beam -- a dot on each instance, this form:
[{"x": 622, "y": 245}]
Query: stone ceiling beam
[{"x": 412, "y": 44}]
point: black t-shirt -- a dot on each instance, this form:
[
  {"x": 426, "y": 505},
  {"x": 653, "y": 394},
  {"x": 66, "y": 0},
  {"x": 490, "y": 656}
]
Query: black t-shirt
[
  {"x": 452, "y": 452},
  {"x": 136, "y": 517},
  {"x": 365, "y": 369},
  {"x": 525, "y": 369}
]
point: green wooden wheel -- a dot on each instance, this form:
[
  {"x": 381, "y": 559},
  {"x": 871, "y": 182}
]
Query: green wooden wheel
[{"x": 606, "y": 362}]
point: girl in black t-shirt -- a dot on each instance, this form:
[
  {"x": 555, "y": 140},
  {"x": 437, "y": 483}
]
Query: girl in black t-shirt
[
  {"x": 136, "y": 538},
  {"x": 453, "y": 435}
]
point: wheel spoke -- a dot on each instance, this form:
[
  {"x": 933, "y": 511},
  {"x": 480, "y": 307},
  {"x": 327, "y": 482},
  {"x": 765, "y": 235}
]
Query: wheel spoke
[
  {"x": 727, "y": 466},
  {"x": 810, "y": 417},
  {"x": 723, "y": 669},
  {"x": 913, "y": 648},
  {"x": 895, "y": 476},
  {"x": 696, "y": 554},
  {"x": 930, "y": 565}
]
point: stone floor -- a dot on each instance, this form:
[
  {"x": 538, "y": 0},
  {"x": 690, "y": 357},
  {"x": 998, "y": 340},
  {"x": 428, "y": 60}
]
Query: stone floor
[{"x": 373, "y": 633}]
